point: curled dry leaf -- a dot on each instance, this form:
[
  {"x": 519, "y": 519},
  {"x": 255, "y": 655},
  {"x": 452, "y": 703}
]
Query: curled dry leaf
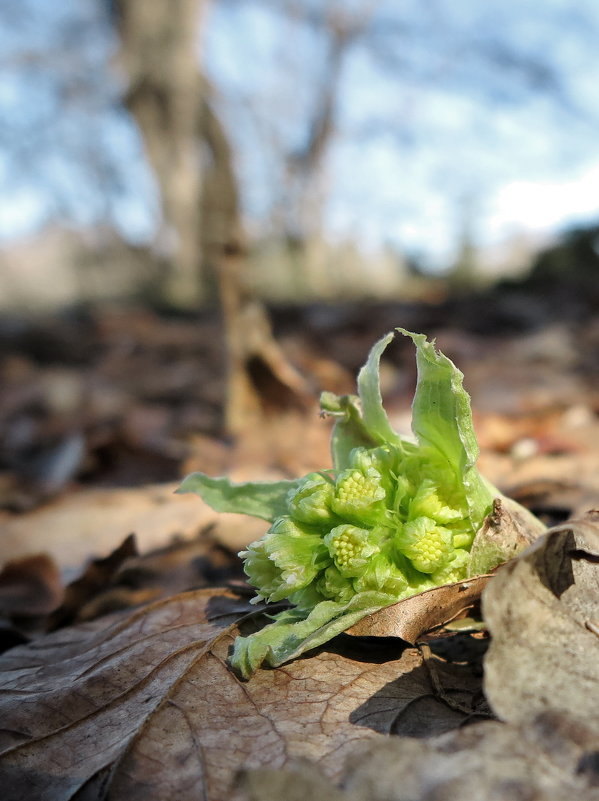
[
  {"x": 543, "y": 613},
  {"x": 144, "y": 706},
  {"x": 414, "y": 616},
  {"x": 95, "y": 577},
  {"x": 125, "y": 579}
]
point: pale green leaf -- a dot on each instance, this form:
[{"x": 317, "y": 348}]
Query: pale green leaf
[
  {"x": 349, "y": 431},
  {"x": 294, "y": 632},
  {"x": 264, "y": 499},
  {"x": 442, "y": 419},
  {"x": 369, "y": 390}
]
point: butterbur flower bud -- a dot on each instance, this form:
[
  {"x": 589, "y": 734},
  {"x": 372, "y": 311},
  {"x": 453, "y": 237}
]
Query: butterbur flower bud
[
  {"x": 427, "y": 503},
  {"x": 384, "y": 572},
  {"x": 334, "y": 586},
  {"x": 462, "y": 539},
  {"x": 426, "y": 544},
  {"x": 351, "y": 547},
  {"x": 285, "y": 560},
  {"x": 382, "y": 459},
  {"x": 310, "y": 501},
  {"x": 394, "y": 517},
  {"x": 359, "y": 496},
  {"x": 454, "y": 570}
]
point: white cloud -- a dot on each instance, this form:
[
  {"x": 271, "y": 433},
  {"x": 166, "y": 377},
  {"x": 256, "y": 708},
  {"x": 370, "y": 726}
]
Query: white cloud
[{"x": 542, "y": 205}]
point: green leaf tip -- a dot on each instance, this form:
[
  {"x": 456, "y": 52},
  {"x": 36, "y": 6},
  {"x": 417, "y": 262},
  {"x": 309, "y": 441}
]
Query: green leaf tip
[
  {"x": 442, "y": 420},
  {"x": 369, "y": 391}
]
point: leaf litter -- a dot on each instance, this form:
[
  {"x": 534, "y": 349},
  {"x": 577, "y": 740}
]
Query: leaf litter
[
  {"x": 143, "y": 705},
  {"x": 62, "y": 685},
  {"x": 541, "y": 678},
  {"x": 146, "y": 707},
  {"x": 543, "y": 613}
]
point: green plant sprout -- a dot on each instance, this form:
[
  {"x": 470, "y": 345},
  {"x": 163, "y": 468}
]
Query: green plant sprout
[{"x": 393, "y": 518}]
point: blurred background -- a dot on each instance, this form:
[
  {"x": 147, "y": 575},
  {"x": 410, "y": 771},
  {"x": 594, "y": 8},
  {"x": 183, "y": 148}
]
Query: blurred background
[
  {"x": 350, "y": 148},
  {"x": 210, "y": 209}
]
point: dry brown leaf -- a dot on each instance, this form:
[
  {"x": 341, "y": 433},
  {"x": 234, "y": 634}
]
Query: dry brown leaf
[
  {"x": 296, "y": 783},
  {"x": 30, "y": 586},
  {"x": 94, "y": 579},
  {"x": 414, "y": 616},
  {"x": 181, "y": 566},
  {"x": 550, "y": 759},
  {"x": 146, "y": 708},
  {"x": 543, "y": 614},
  {"x": 77, "y": 527}
]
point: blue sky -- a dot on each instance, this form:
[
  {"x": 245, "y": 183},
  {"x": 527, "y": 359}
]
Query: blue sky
[
  {"x": 524, "y": 164},
  {"x": 408, "y": 155}
]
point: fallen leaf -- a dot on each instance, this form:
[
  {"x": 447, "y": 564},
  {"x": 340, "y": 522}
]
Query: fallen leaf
[
  {"x": 77, "y": 527},
  {"x": 414, "y": 616},
  {"x": 543, "y": 613},
  {"x": 296, "y": 783},
  {"x": 30, "y": 586},
  {"x": 181, "y": 566},
  {"x": 506, "y": 531},
  {"x": 145, "y": 707},
  {"x": 550, "y": 759},
  {"x": 95, "y": 577},
  {"x": 488, "y": 760}
]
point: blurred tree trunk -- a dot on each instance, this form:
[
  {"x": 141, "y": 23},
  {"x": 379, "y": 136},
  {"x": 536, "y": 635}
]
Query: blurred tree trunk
[
  {"x": 305, "y": 166},
  {"x": 159, "y": 52},
  {"x": 256, "y": 362},
  {"x": 191, "y": 155},
  {"x": 306, "y": 174}
]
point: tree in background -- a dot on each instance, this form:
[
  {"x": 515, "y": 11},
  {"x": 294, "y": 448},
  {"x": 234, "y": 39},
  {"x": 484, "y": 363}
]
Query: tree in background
[
  {"x": 167, "y": 97},
  {"x": 190, "y": 153},
  {"x": 366, "y": 70},
  {"x": 276, "y": 144}
]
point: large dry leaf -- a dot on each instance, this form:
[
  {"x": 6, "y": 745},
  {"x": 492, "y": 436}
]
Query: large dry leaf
[
  {"x": 488, "y": 760},
  {"x": 543, "y": 614},
  {"x": 552, "y": 758},
  {"x": 146, "y": 707}
]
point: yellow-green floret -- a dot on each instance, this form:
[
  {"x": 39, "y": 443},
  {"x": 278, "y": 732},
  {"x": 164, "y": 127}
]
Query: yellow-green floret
[{"x": 370, "y": 528}]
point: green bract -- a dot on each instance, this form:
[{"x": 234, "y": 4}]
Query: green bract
[{"x": 393, "y": 518}]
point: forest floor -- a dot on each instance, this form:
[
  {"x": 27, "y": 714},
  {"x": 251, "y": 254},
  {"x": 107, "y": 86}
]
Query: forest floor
[
  {"x": 109, "y": 409},
  {"x": 103, "y": 412}
]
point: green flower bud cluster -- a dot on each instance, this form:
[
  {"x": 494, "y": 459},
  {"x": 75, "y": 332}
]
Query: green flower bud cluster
[
  {"x": 378, "y": 525},
  {"x": 395, "y": 517}
]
